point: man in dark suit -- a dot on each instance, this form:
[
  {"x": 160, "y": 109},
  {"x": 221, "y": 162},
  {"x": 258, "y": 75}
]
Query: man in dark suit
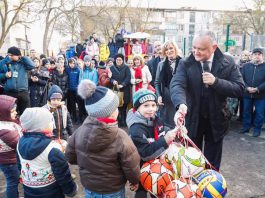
[{"x": 200, "y": 87}]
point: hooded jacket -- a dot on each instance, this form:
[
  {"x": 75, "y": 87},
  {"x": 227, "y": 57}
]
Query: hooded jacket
[
  {"x": 10, "y": 131},
  {"x": 106, "y": 156},
  {"x": 39, "y": 157},
  {"x": 141, "y": 131}
]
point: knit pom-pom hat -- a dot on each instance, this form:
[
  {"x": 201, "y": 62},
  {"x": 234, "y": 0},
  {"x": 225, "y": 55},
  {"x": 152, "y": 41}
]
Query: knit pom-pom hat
[{"x": 100, "y": 102}]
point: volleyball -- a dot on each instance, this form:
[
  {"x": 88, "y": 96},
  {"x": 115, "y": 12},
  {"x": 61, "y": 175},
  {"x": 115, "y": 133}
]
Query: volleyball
[{"x": 211, "y": 183}]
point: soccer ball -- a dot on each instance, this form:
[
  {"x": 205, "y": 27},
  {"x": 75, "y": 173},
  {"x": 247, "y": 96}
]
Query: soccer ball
[
  {"x": 171, "y": 153},
  {"x": 182, "y": 189},
  {"x": 190, "y": 162},
  {"x": 211, "y": 183},
  {"x": 155, "y": 176}
]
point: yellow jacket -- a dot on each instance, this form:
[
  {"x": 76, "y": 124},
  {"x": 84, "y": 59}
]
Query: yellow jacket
[{"x": 104, "y": 52}]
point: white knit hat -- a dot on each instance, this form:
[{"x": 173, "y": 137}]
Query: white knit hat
[{"x": 36, "y": 119}]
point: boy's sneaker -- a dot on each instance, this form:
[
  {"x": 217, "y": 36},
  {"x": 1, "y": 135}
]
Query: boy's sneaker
[
  {"x": 244, "y": 131},
  {"x": 256, "y": 134}
]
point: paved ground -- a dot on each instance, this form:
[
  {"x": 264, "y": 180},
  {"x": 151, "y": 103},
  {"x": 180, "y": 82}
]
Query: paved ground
[{"x": 243, "y": 166}]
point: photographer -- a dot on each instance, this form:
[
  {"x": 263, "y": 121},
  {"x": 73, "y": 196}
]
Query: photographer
[
  {"x": 38, "y": 84},
  {"x": 14, "y": 75}
]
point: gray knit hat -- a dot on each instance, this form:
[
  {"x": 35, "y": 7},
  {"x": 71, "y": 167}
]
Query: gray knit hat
[
  {"x": 100, "y": 102},
  {"x": 36, "y": 119}
]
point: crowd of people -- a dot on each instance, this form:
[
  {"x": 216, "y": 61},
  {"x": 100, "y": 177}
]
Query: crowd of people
[{"x": 103, "y": 87}]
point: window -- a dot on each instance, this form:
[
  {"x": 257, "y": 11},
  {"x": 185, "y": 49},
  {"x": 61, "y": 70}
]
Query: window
[
  {"x": 192, "y": 17},
  {"x": 170, "y": 14},
  {"x": 181, "y": 27},
  {"x": 191, "y": 29}
]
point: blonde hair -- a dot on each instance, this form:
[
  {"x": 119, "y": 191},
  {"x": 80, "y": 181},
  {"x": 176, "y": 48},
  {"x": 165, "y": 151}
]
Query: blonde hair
[
  {"x": 138, "y": 57},
  {"x": 165, "y": 46}
]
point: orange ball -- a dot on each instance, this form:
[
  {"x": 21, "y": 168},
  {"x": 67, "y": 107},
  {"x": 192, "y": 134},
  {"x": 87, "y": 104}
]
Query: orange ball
[
  {"x": 155, "y": 176},
  {"x": 182, "y": 189}
]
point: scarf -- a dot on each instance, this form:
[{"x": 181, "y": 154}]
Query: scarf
[
  {"x": 107, "y": 120},
  {"x": 138, "y": 75}
]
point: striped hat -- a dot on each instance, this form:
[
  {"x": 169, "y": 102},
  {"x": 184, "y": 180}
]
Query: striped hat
[
  {"x": 142, "y": 96},
  {"x": 100, "y": 101}
]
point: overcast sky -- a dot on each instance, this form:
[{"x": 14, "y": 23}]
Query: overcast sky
[{"x": 197, "y": 4}]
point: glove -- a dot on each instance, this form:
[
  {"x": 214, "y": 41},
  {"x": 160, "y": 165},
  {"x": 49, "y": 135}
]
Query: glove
[{"x": 180, "y": 114}]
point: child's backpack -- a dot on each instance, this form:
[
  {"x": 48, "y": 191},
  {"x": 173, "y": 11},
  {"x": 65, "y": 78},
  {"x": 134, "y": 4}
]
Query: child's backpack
[{"x": 103, "y": 78}]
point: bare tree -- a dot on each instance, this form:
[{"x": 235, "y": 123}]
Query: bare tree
[
  {"x": 54, "y": 11},
  {"x": 246, "y": 19},
  {"x": 11, "y": 16}
]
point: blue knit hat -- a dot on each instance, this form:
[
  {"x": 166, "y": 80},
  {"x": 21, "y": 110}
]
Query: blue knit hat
[
  {"x": 142, "y": 96},
  {"x": 55, "y": 92},
  {"x": 100, "y": 102}
]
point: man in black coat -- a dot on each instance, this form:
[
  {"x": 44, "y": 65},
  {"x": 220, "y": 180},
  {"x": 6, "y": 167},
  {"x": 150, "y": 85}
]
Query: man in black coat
[
  {"x": 200, "y": 87},
  {"x": 254, "y": 76}
]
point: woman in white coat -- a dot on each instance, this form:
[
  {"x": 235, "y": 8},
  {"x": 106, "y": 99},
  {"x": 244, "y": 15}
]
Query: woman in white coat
[{"x": 140, "y": 74}]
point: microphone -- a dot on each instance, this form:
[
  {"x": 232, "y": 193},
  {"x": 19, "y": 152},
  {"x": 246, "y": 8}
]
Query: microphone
[{"x": 206, "y": 68}]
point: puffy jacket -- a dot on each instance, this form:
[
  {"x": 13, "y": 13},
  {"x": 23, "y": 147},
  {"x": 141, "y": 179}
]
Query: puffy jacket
[
  {"x": 142, "y": 130},
  {"x": 22, "y": 66},
  {"x": 32, "y": 148},
  {"x": 254, "y": 76},
  {"x": 104, "y": 52},
  {"x": 38, "y": 90},
  {"x": 10, "y": 131},
  {"x": 62, "y": 81},
  {"x": 88, "y": 73},
  {"x": 73, "y": 77},
  {"x": 105, "y": 155}
]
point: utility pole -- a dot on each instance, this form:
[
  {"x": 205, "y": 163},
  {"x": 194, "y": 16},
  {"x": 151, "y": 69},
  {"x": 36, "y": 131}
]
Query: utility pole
[
  {"x": 184, "y": 47},
  {"x": 227, "y": 37}
]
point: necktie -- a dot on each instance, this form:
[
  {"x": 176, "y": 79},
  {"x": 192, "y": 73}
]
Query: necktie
[{"x": 206, "y": 67}]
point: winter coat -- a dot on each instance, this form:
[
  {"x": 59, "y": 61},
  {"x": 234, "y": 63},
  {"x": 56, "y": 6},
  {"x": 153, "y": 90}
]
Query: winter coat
[
  {"x": 141, "y": 130},
  {"x": 137, "y": 49},
  {"x": 62, "y": 121},
  {"x": 44, "y": 169},
  {"x": 150, "y": 49},
  {"x": 10, "y": 131},
  {"x": 146, "y": 77},
  {"x": 62, "y": 81},
  {"x": 92, "y": 49},
  {"x": 73, "y": 77},
  {"x": 63, "y": 126},
  {"x": 186, "y": 88},
  {"x": 112, "y": 49},
  {"x": 105, "y": 154},
  {"x": 70, "y": 53},
  {"x": 38, "y": 90},
  {"x": 79, "y": 49},
  {"x": 119, "y": 40},
  {"x": 21, "y": 67},
  {"x": 103, "y": 77},
  {"x": 104, "y": 52},
  {"x": 162, "y": 82},
  {"x": 254, "y": 76},
  {"x": 88, "y": 73},
  {"x": 152, "y": 65},
  {"x": 122, "y": 75}
]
